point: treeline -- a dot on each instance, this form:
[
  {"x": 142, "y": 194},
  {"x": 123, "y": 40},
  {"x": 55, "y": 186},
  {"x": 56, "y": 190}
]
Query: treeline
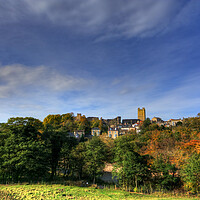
[
  {"x": 157, "y": 158},
  {"x": 31, "y": 150}
]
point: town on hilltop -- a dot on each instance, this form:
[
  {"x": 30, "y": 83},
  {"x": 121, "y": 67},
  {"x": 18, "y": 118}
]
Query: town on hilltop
[
  {"x": 144, "y": 155},
  {"x": 117, "y": 126}
]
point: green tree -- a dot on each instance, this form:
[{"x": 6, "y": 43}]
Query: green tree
[
  {"x": 145, "y": 125},
  {"x": 54, "y": 139},
  {"x": 164, "y": 174},
  {"x": 191, "y": 173},
  {"x": 95, "y": 123},
  {"x": 77, "y": 159},
  {"x": 95, "y": 157},
  {"x": 53, "y": 120},
  {"x": 58, "y": 141},
  {"x": 132, "y": 170},
  {"x": 65, "y": 155},
  {"x": 22, "y": 150},
  {"x": 67, "y": 116},
  {"x": 130, "y": 167},
  {"x": 68, "y": 122},
  {"x": 17, "y": 121},
  {"x": 83, "y": 124},
  {"x": 123, "y": 144},
  {"x": 193, "y": 123}
]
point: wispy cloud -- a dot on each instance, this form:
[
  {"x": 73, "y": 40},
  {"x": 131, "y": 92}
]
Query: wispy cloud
[
  {"x": 40, "y": 91},
  {"x": 105, "y": 19},
  {"x": 19, "y": 80}
]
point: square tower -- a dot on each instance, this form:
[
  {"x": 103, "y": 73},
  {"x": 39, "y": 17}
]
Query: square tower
[{"x": 141, "y": 114}]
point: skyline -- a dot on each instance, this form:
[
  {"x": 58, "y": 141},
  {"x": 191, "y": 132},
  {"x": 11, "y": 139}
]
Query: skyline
[{"x": 99, "y": 58}]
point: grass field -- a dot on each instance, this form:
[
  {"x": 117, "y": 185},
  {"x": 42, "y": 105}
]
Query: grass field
[{"x": 45, "y": 192}]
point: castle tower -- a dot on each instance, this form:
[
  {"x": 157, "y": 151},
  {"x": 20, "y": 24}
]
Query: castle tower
[{"x": 141, "y": 114}]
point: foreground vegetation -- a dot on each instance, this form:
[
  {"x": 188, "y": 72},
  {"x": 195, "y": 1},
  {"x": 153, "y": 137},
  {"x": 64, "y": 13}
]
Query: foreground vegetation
[
  {"x": 158, "y": 158},
  {"x": 73, "y": 192}
]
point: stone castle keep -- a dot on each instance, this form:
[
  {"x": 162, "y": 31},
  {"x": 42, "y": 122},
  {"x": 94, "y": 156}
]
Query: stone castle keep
[{"x": 141, "y": 114}]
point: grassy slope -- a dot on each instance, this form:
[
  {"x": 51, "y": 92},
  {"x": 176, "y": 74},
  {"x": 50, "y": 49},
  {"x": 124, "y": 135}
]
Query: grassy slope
[{"x": 46, "y": 192}]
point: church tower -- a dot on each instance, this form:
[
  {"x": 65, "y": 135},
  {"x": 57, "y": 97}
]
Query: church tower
[{"x": 141, "y": 114}]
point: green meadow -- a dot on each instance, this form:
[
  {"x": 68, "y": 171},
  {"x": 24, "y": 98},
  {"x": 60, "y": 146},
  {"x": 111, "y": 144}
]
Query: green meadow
[{"x": 56, "y": 191}]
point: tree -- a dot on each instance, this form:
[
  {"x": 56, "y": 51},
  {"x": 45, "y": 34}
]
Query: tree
[
  {"x": 58, "y": 141},
  {"x": 132, "y": 170},
  {"x": 17, "y": 121},
  {"x": 65, "y": 164},
  {"x": 68, "y": 122},
  {"x": 53, "y": 120},
  {"x": 77, "y": 159},
  {"x": 193, "y": 123},
  {"x": 179, "y": 124},
  {"x": 95, "y": 157},
  {"x": 95, "y": 123},
  {"x": 130, "y": 167},
  {"x": 67, "y": 116},
  {"x": 164, "y": 174},
  {"x": 54, "y": 139},
  {"x": 83, "y": 124},
  {"x": 23, "y": 152},
  {"x": 191, "y": 173},
  {"x": 123, "y": 144},
  {"x": 145, "y": 125}
]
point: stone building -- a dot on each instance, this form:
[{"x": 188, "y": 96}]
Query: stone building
[
  {"x": 157, "y": 120},
  {"x": 95, "y": 131},
  {"x": 113, "y": 132},
  {"x": 127, "y": 129},
  {"x": 115, "y": 121},
  {"x": 173, "y": 122},
  {"x": 141, "y": 114},
  {"x": 129, "y": 121}
]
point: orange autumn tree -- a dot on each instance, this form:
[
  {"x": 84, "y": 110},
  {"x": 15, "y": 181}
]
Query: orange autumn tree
[{"x": 161, "y": 142}]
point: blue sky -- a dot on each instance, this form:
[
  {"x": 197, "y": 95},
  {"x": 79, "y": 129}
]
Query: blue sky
[{"x": 99, "y": 58}]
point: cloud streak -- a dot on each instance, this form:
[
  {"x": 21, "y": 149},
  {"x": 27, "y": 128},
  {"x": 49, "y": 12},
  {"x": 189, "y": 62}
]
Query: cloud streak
[
  {"x": 102, "y": 18},
  {"x": 18, "y": 80},
  {"x": 40, "y": 91}
]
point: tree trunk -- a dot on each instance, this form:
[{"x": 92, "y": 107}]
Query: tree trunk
[
  {"x": 136, "y": 182},
  {"x": 94, "y": 178}
]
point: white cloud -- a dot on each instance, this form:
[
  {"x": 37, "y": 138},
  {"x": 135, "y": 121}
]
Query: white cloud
[
  {"x": 19, "y": 80},
  {"x": 104, "y": 18},
  {"x": 26, "y": 91}
]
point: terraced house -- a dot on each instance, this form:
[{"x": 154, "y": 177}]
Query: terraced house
[{"x": 113, "y": 132}]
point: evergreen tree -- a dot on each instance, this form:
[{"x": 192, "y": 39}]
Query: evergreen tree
[
  {"x": 191, "y": 173},
  {"x": 164, "y": 174},
  {"x": 130, "y": 168},
  {"x": 95, "y": 157},
  {"x": 77, "y": 159},
  {"x": 23, "y": 152}
]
